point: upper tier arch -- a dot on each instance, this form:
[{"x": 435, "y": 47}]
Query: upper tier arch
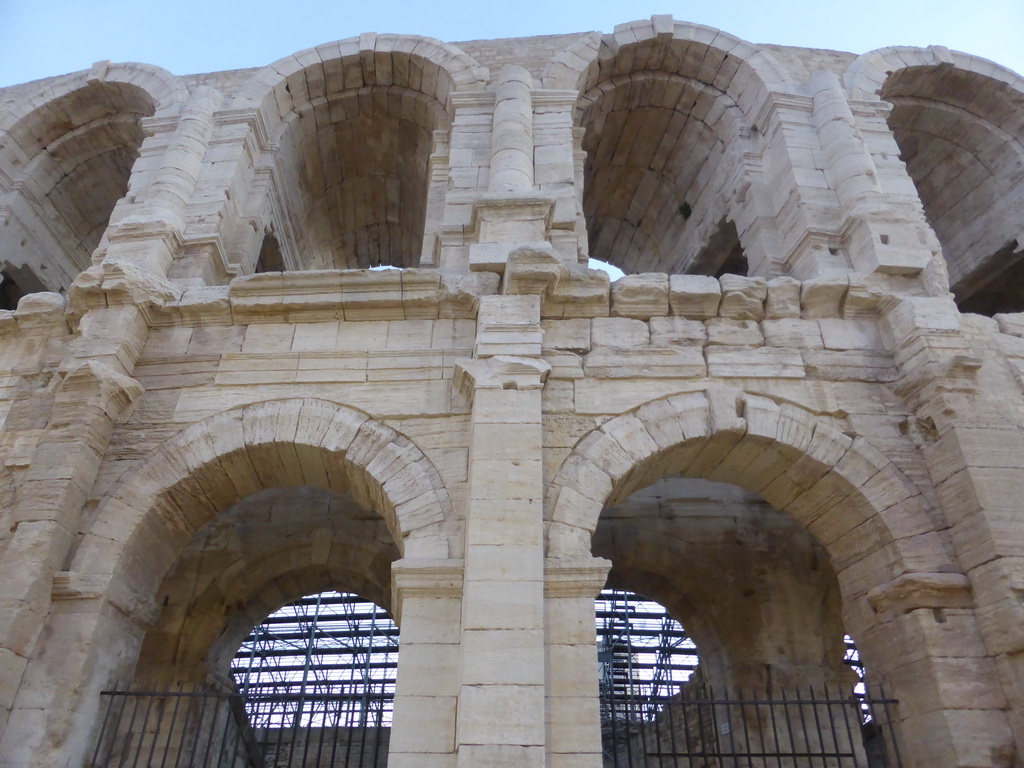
[
  {"x": 421, "y": 64},
  {"x": 707, "y": 55},
  {"x": 959, "y": 123},
  {"x": 668, "y": 114},
  {"x": 66, "y": 154},
  {"x": 352, "y": 127}
]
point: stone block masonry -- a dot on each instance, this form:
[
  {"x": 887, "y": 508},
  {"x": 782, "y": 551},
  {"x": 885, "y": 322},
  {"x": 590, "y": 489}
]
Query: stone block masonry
[{"x": 330, "y": 324}]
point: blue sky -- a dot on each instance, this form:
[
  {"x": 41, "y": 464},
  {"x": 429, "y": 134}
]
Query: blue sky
[{"x": 41, "y": 38}]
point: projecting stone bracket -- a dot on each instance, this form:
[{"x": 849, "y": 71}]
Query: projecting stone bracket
[
  {"x": 96, "y": 384},
  {"x": 920, "y": 590},
  {"x": 579, "y": 576},
  {"x": 500, "y": 372},
  {"x": 118, "y": 283},
  {"x": 566, "y": 290},
  {"x": 70, "y": 586},
  {"x": 424, "y": 578}
]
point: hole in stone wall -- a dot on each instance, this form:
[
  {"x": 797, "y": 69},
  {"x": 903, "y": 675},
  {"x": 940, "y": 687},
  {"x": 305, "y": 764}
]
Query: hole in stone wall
[
  {"x": 998, "y": 289},
  {"x": 270, "y": 258},
  {"x": 16, "y": 282},
  {"x": 722, "y": 255},
  {"x": 10, "y": 292}
]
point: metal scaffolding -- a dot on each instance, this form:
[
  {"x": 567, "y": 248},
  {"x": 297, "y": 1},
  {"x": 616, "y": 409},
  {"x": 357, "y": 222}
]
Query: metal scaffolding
[
  {"x": 644, "y": 654},
  {"x": 323, "y": 661}
]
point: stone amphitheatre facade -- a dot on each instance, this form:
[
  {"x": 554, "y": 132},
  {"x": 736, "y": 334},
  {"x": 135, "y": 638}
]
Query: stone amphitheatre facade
[{"x": 799, "y": 415}]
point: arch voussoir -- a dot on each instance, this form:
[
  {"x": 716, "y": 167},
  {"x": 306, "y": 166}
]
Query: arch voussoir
[
  {"x": 827, "y": 447},
  {"x": 342, "y": 430},
  {"x": 211, "y": 465},
  {"x": 369, "y": 440},
  {"x": 315, "y": 419},
  {"x": 838, "y": 488},
  {"x": 662, "y": 423},
  {"x": 607, "y": 454},
  {"x": 631, "y": 435}
]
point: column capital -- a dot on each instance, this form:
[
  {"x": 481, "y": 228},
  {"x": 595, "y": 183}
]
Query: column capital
[
  {"x": 575, "y": 576},
  {"x": 424, "y": 577},
  {"x": 500, "y": 372}
]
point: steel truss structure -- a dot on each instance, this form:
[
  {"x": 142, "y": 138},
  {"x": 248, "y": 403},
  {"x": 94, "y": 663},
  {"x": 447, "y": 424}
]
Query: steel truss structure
[
  {"x": 295, "y": 667},
  {"x": 644, "y": 654}
]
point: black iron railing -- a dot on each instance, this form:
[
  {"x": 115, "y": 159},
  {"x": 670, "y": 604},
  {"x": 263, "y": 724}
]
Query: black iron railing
[
  {"x": 819, "y": 728},
  {"x": 204, "y": 729}
]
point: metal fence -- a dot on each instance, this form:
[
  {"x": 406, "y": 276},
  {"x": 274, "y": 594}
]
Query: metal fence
[
  {"x": 203, "y": 729},
  {"x": 817, "y": 728}
]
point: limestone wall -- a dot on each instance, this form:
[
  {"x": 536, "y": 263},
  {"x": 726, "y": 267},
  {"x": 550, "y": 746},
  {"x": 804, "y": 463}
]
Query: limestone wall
[{"x": 781, "y": 424}]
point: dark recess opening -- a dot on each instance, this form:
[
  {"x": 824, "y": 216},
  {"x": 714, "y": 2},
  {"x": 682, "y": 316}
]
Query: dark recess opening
[{"x": 270, "y": 259}]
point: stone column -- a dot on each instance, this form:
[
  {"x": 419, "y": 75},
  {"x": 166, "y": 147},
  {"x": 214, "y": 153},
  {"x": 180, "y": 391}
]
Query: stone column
[
  {"x": 573, "y": 712},
  {"x": 512, "y": 136},
  {"x": 91, "y": 397},
  {"x": 501, "y": 699},
  {"x": 95, "y": 392},
  {"x": 876, "y": 236},
  {"x": 150, "y": 234},
  {"x": 555, "y": 170},
  {"x": 966, "y": 654},
  {"x": 427, "y": 596}
]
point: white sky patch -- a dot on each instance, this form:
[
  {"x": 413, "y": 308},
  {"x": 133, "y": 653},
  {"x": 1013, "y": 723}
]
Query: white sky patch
[{"x": 612, "y": 270}]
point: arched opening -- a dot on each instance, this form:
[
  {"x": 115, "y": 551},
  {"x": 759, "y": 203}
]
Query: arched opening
[
  {"x": 255, "y": 658},
  {"x": 960, "y": 135},
  {"x": 247, "y": 662},
  {"x": 763, "y": 530},
  {"x": 80, "y": 151},
  {"x": 317, "y": 678},
  {"x": 356, "y": 171},
  {"x": 350, "y": 183},
  {"x": 763, "y": 603},
  {"x": 270, "y": 258},
  {"x": 229, "y": 520},
  {"x": 664, "y": 163}
]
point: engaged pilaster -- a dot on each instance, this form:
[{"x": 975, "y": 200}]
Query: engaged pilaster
[
  {"x": 573, "y": 706},
  {"x": 501, "y": 699},
  {"x": 427, "y": 595}
]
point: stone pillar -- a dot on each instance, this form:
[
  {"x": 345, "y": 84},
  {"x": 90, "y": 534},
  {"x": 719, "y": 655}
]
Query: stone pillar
[
  {"x": 91, "y": 397},
  {"x": 573, "y": 712},
  {"x": 512, "y": 136},
  {"x": 800, "y": 235},
  {"x": 96, "y": 390},
  {"x": 555, "y": 165},
  {"x": 501, "y": 700},
  {"x": 876, "y": 240},
  {"x": 961, "y": 663},
  {"x": 437, "y": 188},
  {"x": 149, "y": 235},
  {"x": 427, "y": 595}
]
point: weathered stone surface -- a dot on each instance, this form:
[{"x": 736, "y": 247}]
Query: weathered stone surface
[
  {"x": 694, "y": 296},
  {"x": 640, "y": 296},
  {"x": 743, "y": 297},
  {"x": 329, "y": 324}
]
